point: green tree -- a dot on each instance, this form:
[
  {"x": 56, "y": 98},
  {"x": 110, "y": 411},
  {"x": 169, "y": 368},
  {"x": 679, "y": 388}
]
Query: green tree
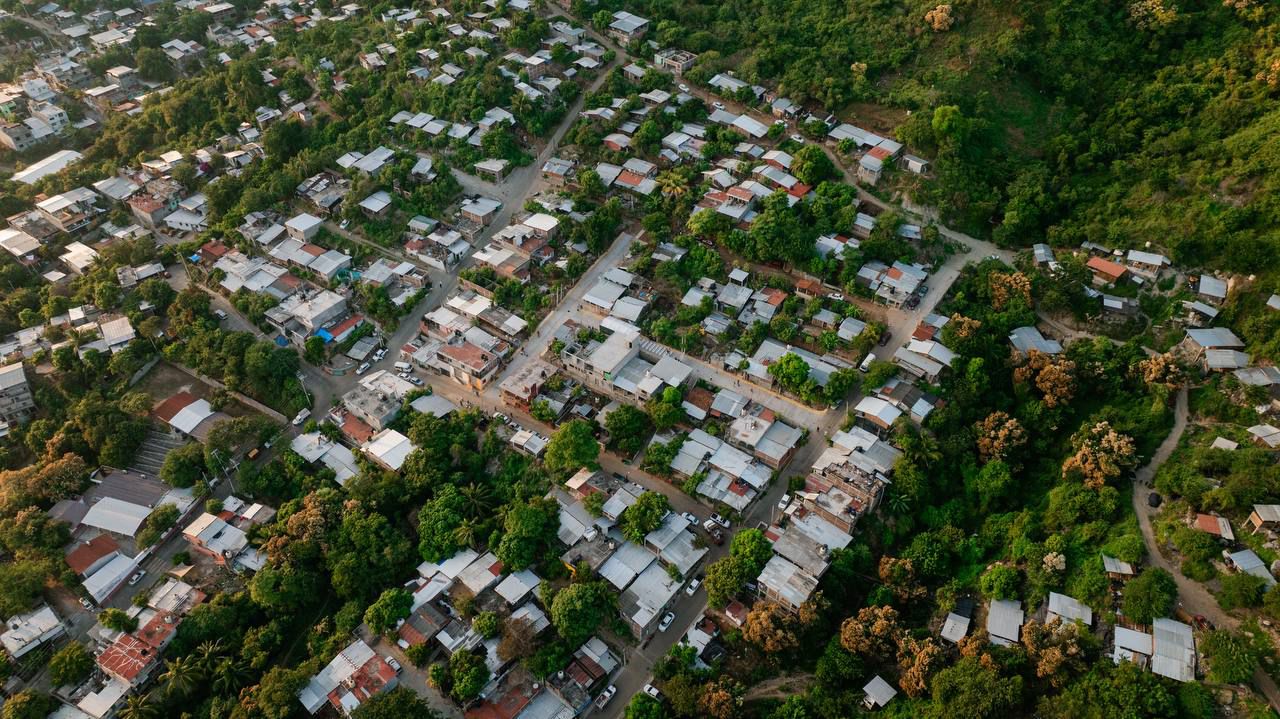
[
  {"x": 395, "y": 704},
  {"x": 393, "y": 605},
  {"x": 116, "y": 619},
  {"x": 1111, "y": 690},
  {"x": 528, "y": 529},
  {"x": 469, "y": 674},
  {"x": 644, "y": 516},
  {"x": 438, "y": 522},
  {"x": 1150, "y": 595},
  {"x": 487, "y": 624},
  {"x": 1234, "y": 656},
  {"x": 28, "y": 704},
  {"x": 572, "y": 447},
  {"x": 811, "y": 165},
  {"x": 1241, "y": 590},
  {"x": 725, "y": 578},
  {"x": 971, "y": 689},
  {"x": 153, "y": 64},
  {"x": 21, "y": 583},
  {"x": 314, "y": 352},
  {"x": 629, "y": 427},
  {"x": 183, "y": 466},
  {"x": 181, "y": 676},
  {"x": 643, "y": 706},
  {"x": 578, "y": 610},
  {"x": 791, "y": 371},
  {"x": 71, "y": 664},
  {"x": 752, "y": 547},
  {"x": 1000, "y": 582}
]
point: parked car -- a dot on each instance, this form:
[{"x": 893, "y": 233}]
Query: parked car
[
  {"x": 884, "y": 338},
  {"x": 391, "y": 662},
  {"x": 377, "y": 356},
  {"x": 652, "y": 691},
  {"x": 344, "y": 224},
  {"x": 222, "y": 316},
  {"x": 667, "y": 619},
  {"x": 718, "y": 105},
  {"x": 836, "y": 296},
  {"x": 301, "y": 416},
  {"x": 84, "y": 602},
  {"x": 784, "y": 502},
  {"x": 720, "y": 520},
  {"x": 693, "y": 518},
  {"x": 605, "y": 696},
  {"x": 364, "y": 367},
  {"x": 693, "y": 586},
  {"x": 416, "y": 380},
  {"x": 683, "y": 87},
  {"x": 137, "y": 577},
  {"x": 501, "y": 417},
  {"x": 866, "y": 362},
  {"x": 797, "y": 137},
  {"x": 717, "y": 537}
]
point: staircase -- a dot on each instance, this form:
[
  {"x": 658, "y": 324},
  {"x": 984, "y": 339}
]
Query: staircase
[{"x": 151, "y": 453}]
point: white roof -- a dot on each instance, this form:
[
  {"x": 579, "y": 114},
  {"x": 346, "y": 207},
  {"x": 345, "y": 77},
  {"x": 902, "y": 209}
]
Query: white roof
[
  {"x": 48, "y": 166},
  {"x": 117, "y": 516},
  {"x": 390, "y": 447},
  {"x": 303, "y": 222},
  {"x": 1069, "y": 609},
  {"x": 1004, "y": 621},
  {"x": 879, "y": 692},
  {"x": 189, "y": 417},
  {"x": 1175, "y": 650},
  {"x": 109, "y": 576}
]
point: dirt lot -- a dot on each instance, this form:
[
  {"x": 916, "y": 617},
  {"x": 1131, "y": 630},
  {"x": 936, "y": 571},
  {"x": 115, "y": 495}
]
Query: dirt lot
[{"x": 164, "y": 380}]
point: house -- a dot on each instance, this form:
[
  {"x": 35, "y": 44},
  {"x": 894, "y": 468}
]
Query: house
[
  {"x": 1213, "y": 338},
  {"x": 213, "y": 537},
  {"x": 1215, "y": 526},
  {"x": 1068, "y": 609},
  {"x": 1248, "y": 562},
  {"x": 956, "y": 625},
  {"x": 376, "y": 206},
  {"x": 627, "y": 27},
  {"x": 1004, "y": 622},
  {"x": 1146, "y": 264},
  {"x": 16, "y": 400},
  {"x": 520, "y": 389},
  {"x": 303, "y": 227},
  {"x": 1116, "y": 569},
  {"x": 355, "y": 675},
  {"x": 1174, "y": 650},
  {"x": 24, "y": 633},
  {"x": 877, "y": 693},
  {"x": 1026, "y": 339},
  {"x": 1105, "y": 272},
  {"x": 389, "y": 449},
  {"x": 1265, "y": 516},
  {"x": 1211, "y": 289}
]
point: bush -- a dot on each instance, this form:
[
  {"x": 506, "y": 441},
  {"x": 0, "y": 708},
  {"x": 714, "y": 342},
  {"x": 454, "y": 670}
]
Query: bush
[
  {"x": 487, "y": 624},
  {"x": 1000, "y": 582},
  {"x": 71, "y": 664},
  {"x": 1150, "y": 595},
  {"x": 117, "y": 620},
  {"x": 1241, "y": 590}
]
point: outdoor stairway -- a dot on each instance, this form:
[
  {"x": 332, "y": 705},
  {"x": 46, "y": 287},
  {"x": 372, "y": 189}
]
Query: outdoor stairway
[{"x": 150, "y": 456}]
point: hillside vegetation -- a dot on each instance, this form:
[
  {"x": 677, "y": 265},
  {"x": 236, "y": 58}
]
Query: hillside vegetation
[{"x": 1057, "y": 120}]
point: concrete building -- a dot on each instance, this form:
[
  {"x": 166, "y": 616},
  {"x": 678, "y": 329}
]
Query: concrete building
[{"x": 16, "y": 401}]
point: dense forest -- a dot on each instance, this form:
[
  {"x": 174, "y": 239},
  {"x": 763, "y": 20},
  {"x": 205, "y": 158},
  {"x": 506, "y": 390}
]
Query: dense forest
[{"x": 1057, "y": 120}]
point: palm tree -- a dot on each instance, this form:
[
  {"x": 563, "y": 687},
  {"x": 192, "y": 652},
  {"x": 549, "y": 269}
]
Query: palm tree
[
  {"x": 207, "y": 653},
  {"x": 465, "y": 533},
  {"x": 139, "y": 706},
  {"x": 180, "y": 676},
  {"x": 898, "y": 503},
  {"x": 672, "y": 184},
  {"x": 479, "y": 498},
  {"x": 229, "y": 675}
]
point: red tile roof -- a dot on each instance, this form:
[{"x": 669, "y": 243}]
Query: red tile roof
[
  {"x": 356, "y": 429},
  {"x": 159, "y": 630},
  {"x": 169, "y": 408},
  {"x": 127, "y": 658},
  {"x": 84, "y": 556},
  {"x": 1107, "y": 268}
]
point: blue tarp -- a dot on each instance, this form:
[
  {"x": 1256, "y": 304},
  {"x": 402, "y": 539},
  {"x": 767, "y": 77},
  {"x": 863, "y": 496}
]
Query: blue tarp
[
  {"x": 325, "y": 335},
  {"x": 280, "y": 340},
  {"x": 195, "y": 257}
]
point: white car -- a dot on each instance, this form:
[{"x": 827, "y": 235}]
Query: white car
[
  {"x": 693, "y": 518},
  {"x": 836, "y": 296},
  {"x": 416, "y": 380},
  {"x": 693, "y": 586},
  {"x": 667, "y": 619},
  {"x": 605, "y": 696},
  {"x": 784, "y": 502},
  {"x": 86, "y": 604},
  {"x": 391, "y": 662},
  {"x": 798, "y": 138},
  {"x": 720, "y": 520},
  {"x": 683, "y": 87},
  {"x": 222, "y": 316},
  {"x": 652, "y": 691},
  {"x": 137, "y": 577},
  {"x": 377, "y": 356},
  {"x": 364, "y": 367},
  {"x": 301, "y": 416},
  {"x": 718, "y": 105}
]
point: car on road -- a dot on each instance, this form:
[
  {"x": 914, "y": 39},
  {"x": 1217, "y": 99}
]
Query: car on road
[
  {"x": 994, "y": 257},
  {"x": 605, "y": 696},
  {"x": 866, "y": 362},
  {"x": 836, "y": 296},
  {"x": 797, "y": 137},
  {"x": 884, "y": 338},
  {"x": 344, "y": 224},
  {"x": 301, "y": 416},
  {"x": 364, "y": 367},
  {"x": 137, "y": 577},
  {"x": 683, "y": 87},
  {"x": 415, "y": 380},
  {"x": 84, "y": 602},
  {"x": 222, "y": 316},
  {"x": 913, "y": 302},
  {"x": 501, "y": 417},
  {"x": 718, "y": 105},
  {"x": 922, "y": 290},
  {"x": 717, "y": 537},
  {"x": 693, "y": 518},
  {"x": 667, "y": 619},
  {"x": 652, "y": 691},
  {"x": 377, "y": 356},
  {"x": 391, "y": 662},
  {"x": 784, "y": 502},
  {"x": 720, "y": 520},
  {"x": 693, "y": 586}
]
